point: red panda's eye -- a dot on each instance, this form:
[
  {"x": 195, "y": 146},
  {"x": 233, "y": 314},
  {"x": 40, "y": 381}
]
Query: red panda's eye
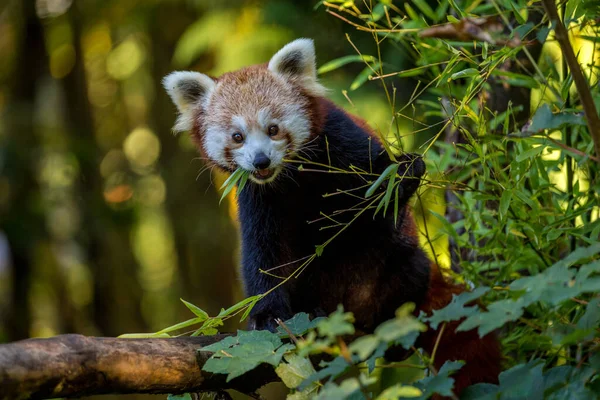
[
  {"x": 273, "y": 130},
  {"x": 237, "y": 137}
]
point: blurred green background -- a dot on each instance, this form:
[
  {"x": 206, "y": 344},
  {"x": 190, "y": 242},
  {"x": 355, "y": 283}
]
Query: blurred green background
[{"x": 105, "y": 218}]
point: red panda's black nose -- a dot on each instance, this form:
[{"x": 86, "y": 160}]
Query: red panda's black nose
[{"x": 261, "y": 161}]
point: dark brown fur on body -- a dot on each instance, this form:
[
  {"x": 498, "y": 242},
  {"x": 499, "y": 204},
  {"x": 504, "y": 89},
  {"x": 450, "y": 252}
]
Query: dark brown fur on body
[{"x": 376, "y": 264}]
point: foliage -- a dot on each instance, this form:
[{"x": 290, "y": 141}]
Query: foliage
[
  {"x": 509, "y": 139},
  {"x": 238, "y": 179}
]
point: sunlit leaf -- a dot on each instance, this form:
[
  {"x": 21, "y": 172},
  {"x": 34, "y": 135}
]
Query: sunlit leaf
[
  {"x": 399, "y": 391},
  {"x": 340, "y": 62},
  {"x": 295, "y": 370}
]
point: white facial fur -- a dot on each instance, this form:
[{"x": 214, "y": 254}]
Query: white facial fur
[{"x": 249, "y": 101}]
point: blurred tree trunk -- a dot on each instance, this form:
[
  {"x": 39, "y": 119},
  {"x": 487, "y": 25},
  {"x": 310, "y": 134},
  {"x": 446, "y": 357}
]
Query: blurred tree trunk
[
  {"x": 24, "y": 225},
  {"x": 204, "y": 237},
  {"x": 105, "y": 232}
]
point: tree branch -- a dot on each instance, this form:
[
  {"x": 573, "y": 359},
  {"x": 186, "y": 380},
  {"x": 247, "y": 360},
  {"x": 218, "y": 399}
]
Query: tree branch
[
  {"x": 76, "y": 365},
  {"x": 583, "y": 88}
]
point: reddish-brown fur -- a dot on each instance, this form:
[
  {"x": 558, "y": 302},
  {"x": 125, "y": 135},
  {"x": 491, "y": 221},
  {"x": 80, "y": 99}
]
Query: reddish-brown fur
[{"x": 482, "y": 355}]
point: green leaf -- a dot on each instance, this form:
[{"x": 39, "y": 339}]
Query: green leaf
[
  {"x": 200, "y": 313},
  {"x": 249, "y": 308},
  {"x": 385, "y": 201},
  {"x": 344, "y": 390},
  {"x": 181, "y": 325},
  {"x": 403, "y": 329},
  {"x": 580, "y": 254},
  {"x": 505, "y": 203},
  {"x": 209, "y": 327},
  {"x": 377, "y": 13},
  {"x": 542, "y": 34},
  {"x": 458, "y": 10},
  {"x": 591, "y": 318},
  {"x": 242, "y": 182},
  {"x": 298, "y": 325},
  {"x": 240, "y": 359},
  {"x": 464, "y": 73},
  {"x": 236, "y": 355},
  {"x": 379, "y": 352},
  {"x": 231, "y": 181},
  {"x": 440, "y": 383},
  {"x": 523, "y": 381},
  {"x": 296, "y": 370},
  {"x": 339, "y": 62},
  {"x": 391, "y": 169},
  {"x": 396, "y": 205},
  {"x": 364, "y": 75},
  {"x": 531, "y": 153},
  {"x": 330, "y": 370},
  {"x": 545, "y": 119},
  {"x": 517, "y": 13},
  {"x": 399, "y": 391},
  {"x": 319, "y": 250},
  {"x": 516, "y": 79},
  {"x": 553, "y": 286},
  {"x": 339, "y": 323},
  {"x": 480, "y": 391},
  {"x": 240, "y": 305},
  {"x": 364, "y": 346},
  {"x": 143, "y": 335},
  {"x": 425, "y": 9},
  {"x": 244, "y": 337},
  {"x": 185, "y": 396},
  {"x": 499, "y": 313},
  {"x": 456, "y": 309}
]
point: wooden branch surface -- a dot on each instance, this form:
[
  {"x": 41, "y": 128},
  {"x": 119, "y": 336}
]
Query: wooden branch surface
[{"x": 76, "y": 365}]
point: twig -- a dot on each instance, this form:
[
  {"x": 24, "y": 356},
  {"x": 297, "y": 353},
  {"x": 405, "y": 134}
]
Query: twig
[
  {"x": 287, "y": 330},
  {"x": 583, "y": 88}
]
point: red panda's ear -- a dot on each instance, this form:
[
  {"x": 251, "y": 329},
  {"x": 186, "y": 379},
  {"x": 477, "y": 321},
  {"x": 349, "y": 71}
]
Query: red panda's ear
[
  {"x": 296, "y": 62},
  {"x": 187, "y": 89}
]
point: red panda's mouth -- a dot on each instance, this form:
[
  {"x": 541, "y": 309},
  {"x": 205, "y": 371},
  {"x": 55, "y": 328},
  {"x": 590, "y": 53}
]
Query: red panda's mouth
[{"x": 263, "y": 174}]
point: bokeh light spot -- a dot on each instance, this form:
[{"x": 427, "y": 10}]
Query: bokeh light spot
[
  {"x": 142, "y": 148},
  {"x": 125, "y": 59},
  {"x": 118, "y": 194},
  {"x": 113, "y": 161},
  {"x": 62, "y": 61},
  {"x": 151, "y": 190}
]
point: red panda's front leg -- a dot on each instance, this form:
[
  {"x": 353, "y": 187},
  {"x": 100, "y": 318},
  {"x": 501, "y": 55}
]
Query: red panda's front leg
[{"x": 275, "y": 303}]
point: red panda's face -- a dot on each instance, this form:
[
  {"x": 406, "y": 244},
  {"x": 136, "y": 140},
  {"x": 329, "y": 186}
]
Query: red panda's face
[{"x": 252, "y": 118}]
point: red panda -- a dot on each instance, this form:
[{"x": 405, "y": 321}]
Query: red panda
[{"x": 256, "y": 119}]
